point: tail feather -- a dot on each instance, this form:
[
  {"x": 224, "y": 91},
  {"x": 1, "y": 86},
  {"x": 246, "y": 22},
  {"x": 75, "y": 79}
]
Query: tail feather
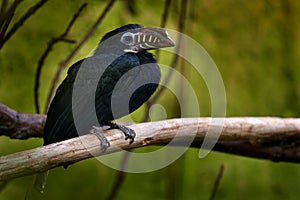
[
  {"x": 40, "y": 181},
  {"x": 37, "y": 188}
]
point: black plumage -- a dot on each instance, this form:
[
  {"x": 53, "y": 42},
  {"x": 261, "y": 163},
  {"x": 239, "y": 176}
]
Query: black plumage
[{"x": 129, "y": 43}]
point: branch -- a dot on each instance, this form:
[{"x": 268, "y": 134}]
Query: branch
[
  {"x": 167, "y": 8},
  {"x": 6, "y": 19},
  {"x": 3, "y": 7},
  {"x": 217, "y": 183},
  {"x": 22, "y": 20},
  {"x": 271, "y": 137},
  {"x": 20, "y": 125},
  {"x": 180, "y": 28},
  {"x": 119, "y": 180}
]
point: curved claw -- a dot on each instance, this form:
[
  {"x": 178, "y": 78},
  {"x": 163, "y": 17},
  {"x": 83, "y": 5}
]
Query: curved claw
[{"x": 128, "y": 132}]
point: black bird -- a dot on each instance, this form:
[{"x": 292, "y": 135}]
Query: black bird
[
  {"x": 127, "y": 45},
  {"x": 114, "y": 67}
]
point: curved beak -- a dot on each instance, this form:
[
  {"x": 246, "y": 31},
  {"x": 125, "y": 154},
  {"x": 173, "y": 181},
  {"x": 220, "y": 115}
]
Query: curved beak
[{"x": 152, "y": 38}]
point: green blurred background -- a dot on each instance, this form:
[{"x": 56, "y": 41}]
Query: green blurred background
[{"x": 256, "y": 47}]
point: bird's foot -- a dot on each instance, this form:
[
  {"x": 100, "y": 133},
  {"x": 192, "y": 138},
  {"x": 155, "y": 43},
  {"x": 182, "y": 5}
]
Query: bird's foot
[
  {"x": 128, "y": 132},
  {"x": 98, "y": 131}
]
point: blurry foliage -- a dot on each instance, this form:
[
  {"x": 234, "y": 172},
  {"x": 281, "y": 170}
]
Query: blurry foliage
[{"x": 255, "y": 44}]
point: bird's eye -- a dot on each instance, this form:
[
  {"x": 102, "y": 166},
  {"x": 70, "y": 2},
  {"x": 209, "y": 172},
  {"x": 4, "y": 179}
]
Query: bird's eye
[{"x": 127, "y": 38}]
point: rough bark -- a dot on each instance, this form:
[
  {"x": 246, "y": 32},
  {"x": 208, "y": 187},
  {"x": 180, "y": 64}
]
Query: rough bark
[{"x": 263, "y": 137}]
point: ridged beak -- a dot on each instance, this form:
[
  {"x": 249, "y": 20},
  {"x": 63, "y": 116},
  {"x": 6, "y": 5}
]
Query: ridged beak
[
  {"x": 142, "y": 39},
  {"x": 152, "y": 38}
]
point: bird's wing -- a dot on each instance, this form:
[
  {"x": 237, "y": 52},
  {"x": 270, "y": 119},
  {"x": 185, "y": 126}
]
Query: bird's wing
[
  {"x": 59, "y": 115},
  {"x": 106, "y": 86},
  {"x": 84, "y": 75}
]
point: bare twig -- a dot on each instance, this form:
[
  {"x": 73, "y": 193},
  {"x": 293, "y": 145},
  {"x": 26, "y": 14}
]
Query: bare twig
[
  {"x": 22, "y": 20},
  {"x": 130, "y": 6},
  {"x": 60, "y": 38},
  {"x": 174, "y": 62},
  {"x": 65, "y": 62},
  {"x": 163, "y": 22},
  {"x": 19, "y": 125},
  {"x": 180, "y": 29},
  {"x": 7, "y": 19},
  {"x": 166, "y": 12},
  {"x": 120, "y": 177},
  {"x": 217, "y": 183},
  {"x": 3, "y": 11},
  {"x": 265, "y": 137}
]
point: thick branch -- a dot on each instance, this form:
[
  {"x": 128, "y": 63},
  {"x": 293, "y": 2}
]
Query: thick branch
[
  {"x": 20, "y": 125},
  {"x": 272, "y": 137}
]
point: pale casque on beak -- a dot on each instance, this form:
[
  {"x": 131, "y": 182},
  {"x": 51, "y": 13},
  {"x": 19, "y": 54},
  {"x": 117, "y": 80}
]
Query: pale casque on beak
[{"x": 145, "y": 39}]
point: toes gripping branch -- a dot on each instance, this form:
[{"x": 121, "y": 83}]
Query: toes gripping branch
[
  {"x": 98, "y": 131},
  {"x": 128, "y": 132}
]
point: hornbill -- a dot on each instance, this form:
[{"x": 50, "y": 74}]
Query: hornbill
[{"x": 118, "y": 53}]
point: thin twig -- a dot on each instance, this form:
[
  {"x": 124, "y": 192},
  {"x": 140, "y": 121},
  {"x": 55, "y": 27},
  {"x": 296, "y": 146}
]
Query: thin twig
[
  {"x": 130, "y": 6},
  {"x": 217, "y": 183},
  {"x": 3, "y": 11},
  {"x": 7, "y": 19},
  {"x": 181, "y": 23},
  {"x": 65, "y": 62},
  {"x": 164, "y": 19},
  {"x": 180, "y": 28},
  {"x": 60, "y": 38},
  {"x": 167, "y": 8},
  {"x": 120, "y": 177},
  {"x": 22, "y": 20}
]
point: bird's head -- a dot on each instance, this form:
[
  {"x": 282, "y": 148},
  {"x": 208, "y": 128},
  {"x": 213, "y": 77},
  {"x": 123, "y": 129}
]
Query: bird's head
[{"x": 135, "y": 38}]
